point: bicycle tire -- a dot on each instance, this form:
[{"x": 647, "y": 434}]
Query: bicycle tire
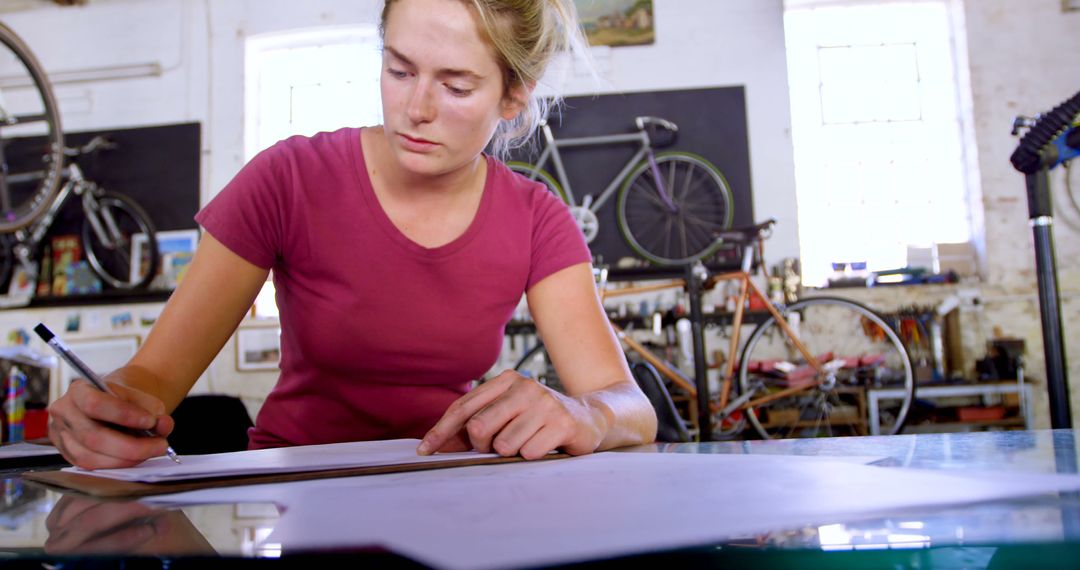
[
  {"x": 540, "y": 175},
  {"x": 852, "y": 341},
  {"x": 22, "y": 202},
  {"x": 704, "y": 203},
  {"x": 113, "y": 264}
]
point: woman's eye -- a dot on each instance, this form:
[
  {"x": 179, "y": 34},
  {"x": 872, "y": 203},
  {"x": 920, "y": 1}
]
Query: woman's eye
[
  {"x": 396, "y": 72},
  {"x": 457, "y": 91}
]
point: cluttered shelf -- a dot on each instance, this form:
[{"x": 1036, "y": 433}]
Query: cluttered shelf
[{"x": 107, "y": 297}]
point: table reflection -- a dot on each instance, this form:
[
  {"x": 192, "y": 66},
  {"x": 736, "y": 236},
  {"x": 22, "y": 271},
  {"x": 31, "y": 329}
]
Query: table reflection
[
  {"x": 37, "y": 521},
  {"x": 83, "y": 525}
]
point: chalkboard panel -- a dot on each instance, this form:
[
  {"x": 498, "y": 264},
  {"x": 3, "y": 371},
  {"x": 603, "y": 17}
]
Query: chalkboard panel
[
  {"x": 156, "y": 166},
  {"x": 712, "y": 123}
]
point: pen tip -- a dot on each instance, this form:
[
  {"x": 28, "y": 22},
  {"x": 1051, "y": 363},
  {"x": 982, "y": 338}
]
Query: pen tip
[
  {"x": 44, "y": 332},
  {"x": 172, "y": 455}
]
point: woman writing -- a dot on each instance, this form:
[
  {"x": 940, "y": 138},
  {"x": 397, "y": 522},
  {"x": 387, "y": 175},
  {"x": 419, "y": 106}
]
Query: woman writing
[{"x": 399, "y": 252}]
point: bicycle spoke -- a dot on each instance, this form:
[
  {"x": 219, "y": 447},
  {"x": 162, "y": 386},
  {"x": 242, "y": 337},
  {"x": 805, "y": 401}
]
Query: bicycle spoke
[
  {"x": 690, "y": 180},
  {"x": 651, "y": 194}
]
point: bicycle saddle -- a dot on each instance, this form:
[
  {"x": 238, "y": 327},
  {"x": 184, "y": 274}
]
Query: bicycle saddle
[{"x": 747, "y": 234}]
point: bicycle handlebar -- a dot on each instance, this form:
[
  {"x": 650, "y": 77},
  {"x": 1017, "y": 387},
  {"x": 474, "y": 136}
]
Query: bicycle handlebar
[
  {"x": 644, "y": 121},
  {"x": 97, "y": 143}
]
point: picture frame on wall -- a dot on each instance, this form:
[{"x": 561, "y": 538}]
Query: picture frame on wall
[
  {"x": 258, "y": 348},
  {"x": 102, "y": 354},
  {"x": 1070, "y": 5},
  {"x": 617, "y": 22},
  {"x": 177, "y": 248}
]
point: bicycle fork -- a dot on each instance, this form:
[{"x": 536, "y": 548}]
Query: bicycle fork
[{"x": 655, "y": 168}]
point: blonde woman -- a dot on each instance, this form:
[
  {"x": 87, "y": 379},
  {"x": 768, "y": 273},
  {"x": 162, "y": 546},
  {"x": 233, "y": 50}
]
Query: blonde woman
[{"x": 399, "y": 252}]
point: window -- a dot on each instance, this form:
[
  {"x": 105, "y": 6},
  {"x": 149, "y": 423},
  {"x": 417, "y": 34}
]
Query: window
[
  {"x": 300, "y": 83},
  {"x": 877, "y": 129}
]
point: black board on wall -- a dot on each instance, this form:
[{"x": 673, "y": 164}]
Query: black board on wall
[
  {"x": 712, "y": 123},
  {"x": 156, "y": 166}
]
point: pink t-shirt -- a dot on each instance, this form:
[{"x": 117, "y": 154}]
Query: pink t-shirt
[{"x": 378, "y": 333}]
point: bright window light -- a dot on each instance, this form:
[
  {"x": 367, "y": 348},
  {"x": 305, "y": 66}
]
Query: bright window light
[
  {"x": 304, "y": 82},
  {"x": 876, "y": 123}
]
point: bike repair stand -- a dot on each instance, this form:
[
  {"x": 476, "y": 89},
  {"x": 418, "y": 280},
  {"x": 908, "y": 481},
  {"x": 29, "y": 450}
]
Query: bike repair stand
[
  {"x": 695, "y": 282},
  {"x": 1052, "y": 140}
]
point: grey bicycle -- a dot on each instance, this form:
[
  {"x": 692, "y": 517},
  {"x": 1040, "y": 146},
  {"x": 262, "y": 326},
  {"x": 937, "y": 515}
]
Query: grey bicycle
[{"x": 670, "y": 205}]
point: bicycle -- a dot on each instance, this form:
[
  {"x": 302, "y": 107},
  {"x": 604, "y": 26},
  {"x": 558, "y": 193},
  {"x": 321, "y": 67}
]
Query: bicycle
[
  {"x": 804, "y": 369},
  {"x": 31, "y": 194},
  {"x": 111, "y": 222},
  {"x": 669, "y": 204}
]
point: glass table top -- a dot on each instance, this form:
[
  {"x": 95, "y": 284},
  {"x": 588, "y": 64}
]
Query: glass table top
[{"x": 43, "y": 523}]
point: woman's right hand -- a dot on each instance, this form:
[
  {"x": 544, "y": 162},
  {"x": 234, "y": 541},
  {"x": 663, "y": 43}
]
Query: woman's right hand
[{"x": 96, "y": 430}]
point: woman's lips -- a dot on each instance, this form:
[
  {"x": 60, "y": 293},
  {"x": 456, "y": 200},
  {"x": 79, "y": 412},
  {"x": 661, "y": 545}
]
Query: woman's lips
[{"x": 416, "y": 144}]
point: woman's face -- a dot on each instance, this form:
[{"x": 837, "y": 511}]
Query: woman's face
[{"x": 442, "y": 87}]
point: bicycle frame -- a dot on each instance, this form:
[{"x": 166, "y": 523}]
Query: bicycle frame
[
  {"x": 551, "y": 150},
  {"x": 746, "y": 288},
  {"x": 104, "y": 226}
]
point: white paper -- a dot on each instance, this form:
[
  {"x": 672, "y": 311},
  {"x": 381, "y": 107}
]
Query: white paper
[
  {"x": 16, "y": 450},
  {"x": 603, "y": 505},
  {"x": 279, "y": 460}
]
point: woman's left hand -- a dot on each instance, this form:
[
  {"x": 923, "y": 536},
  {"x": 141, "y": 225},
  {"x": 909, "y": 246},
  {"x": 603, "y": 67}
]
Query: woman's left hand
[{"x": 512, "y": 415}]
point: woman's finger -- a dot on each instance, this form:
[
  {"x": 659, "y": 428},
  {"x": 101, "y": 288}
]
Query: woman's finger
[
  {"x": 461, "y": 411},
  {"x": 516, "y": 433},
  {"x": 96, "y": 454},
  {"x": 543, "y": 442},
  {"x": 108, "y": 408}
]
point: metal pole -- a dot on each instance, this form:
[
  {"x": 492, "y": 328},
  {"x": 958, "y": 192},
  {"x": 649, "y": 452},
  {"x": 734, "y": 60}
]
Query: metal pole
[
  {"x": 697, "y": 322},
  {"x": 1040, "y": 211}
]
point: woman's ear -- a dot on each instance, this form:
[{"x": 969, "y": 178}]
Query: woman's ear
[{"x": 517, "y": 99}]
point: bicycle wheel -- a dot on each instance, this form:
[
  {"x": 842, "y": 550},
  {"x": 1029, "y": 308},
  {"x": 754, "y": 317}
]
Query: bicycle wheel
[
  {"x": 858, "y": 351},
  {"x": 123, "y": 223},
  {"x": 538, "y": 175},
  {"x": 703, "y": 207},
  {"x": 536, "y": 364},
  {"x": 31, "y": 142}
]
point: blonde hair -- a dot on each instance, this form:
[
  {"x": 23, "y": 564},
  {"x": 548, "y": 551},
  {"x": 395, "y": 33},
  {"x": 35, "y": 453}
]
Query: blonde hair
[{"x": 526, "y": 35}]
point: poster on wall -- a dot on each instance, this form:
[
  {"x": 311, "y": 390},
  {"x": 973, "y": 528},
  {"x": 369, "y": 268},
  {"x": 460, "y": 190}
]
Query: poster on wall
[{"x": 616, "y": 22}]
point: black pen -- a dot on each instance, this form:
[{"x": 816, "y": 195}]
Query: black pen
[{"x": 75, "y": 362}]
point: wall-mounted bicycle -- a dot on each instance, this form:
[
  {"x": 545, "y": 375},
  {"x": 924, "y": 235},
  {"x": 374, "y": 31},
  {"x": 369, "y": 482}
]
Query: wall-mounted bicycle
[
  {"x": 31, "y": 194},
  {"x": 670, "y": 205}
]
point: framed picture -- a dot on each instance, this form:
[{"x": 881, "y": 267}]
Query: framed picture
[
  {"x": 177, "y": 247},
  {"x": 617, "y": 22},
  {"x": 102, "y": 355},
  {"x": 1070, "y": 5},
  {"x": 258, "y": 348}
]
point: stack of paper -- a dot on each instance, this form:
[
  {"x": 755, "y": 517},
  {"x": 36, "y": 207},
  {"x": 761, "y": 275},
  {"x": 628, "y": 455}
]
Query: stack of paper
[{"x": 280, "y": 460}]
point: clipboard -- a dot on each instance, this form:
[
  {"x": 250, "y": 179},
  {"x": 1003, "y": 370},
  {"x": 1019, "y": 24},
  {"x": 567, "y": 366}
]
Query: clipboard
[{"x": 105, "y": 488}]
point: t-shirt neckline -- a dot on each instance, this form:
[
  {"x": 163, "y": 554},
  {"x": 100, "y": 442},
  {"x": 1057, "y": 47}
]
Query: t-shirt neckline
[{"x": 367, "y": 190}]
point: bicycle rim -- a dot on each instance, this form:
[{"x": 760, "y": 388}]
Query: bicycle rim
[
  {"x": 116, "y": 263},
  {"x": 30, "y": 138},
  {"x": 703, "y": 207},
  {"x": 859, "y": 350},
  {"x": 538, "y": 175}
]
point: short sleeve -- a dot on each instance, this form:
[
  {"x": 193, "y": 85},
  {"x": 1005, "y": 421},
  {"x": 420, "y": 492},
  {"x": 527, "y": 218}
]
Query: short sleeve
[
  {"x": 247, "y": 215},
  {"x": 557, "y": 243}
]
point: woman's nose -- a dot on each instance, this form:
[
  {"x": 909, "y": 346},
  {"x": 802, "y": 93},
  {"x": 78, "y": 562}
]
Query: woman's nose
[{"x": 421, "y": 107}]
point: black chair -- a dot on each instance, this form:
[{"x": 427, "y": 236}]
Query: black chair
[
  {"x": 670, "y": 426},
  {"x": 210, "y": 423}
]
